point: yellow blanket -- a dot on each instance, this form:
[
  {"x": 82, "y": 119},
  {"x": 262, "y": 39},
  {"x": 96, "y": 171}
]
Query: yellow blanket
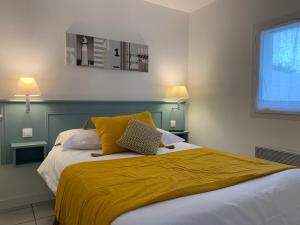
[{"x": 96, "y": 193}]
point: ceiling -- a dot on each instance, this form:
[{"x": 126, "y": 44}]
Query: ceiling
[{"x": 182, "y": 5}]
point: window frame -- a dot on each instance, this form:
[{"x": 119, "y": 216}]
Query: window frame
[{"x": 258, "y": 29}]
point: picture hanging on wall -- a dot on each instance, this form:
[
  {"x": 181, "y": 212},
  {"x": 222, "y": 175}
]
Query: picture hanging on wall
[{"x": 103, "y": 53}]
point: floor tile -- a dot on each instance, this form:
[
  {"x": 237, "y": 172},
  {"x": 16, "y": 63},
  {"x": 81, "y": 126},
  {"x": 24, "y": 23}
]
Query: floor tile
[
  {"x": 15, "y": 208},
  {"x": 12, "y": 217},
  {"x": 45, "y": 221},
  {"x": 43, "y": 210},
  {"x": 28, "y": 223}
]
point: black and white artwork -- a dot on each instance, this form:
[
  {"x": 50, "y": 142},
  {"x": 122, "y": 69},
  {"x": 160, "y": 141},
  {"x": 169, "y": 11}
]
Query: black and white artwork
[{"x": 83, "y": 50}]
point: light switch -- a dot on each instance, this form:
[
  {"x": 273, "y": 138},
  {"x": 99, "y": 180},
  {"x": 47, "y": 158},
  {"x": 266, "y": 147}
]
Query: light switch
[
  {"x": 173, "y": 123},
  {"x": 27, "y": 132}
]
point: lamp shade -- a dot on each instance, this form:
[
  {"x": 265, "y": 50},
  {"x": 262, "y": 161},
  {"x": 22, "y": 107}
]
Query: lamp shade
[
  {"x": 178, "y": 92},
  {"x": 27, "y": 86}
]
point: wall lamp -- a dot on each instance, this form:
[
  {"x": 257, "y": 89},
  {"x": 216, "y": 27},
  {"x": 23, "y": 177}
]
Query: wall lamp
[
  {"x": 179, "y": 93},
  {"x": 27, "y": 87}
]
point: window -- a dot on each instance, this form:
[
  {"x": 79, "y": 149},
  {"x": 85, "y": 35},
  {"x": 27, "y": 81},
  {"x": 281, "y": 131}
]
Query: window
[{"x": 278, "y": 69}]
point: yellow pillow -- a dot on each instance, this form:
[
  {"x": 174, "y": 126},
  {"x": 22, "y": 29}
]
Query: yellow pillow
[{"x": 110, "y": 129}]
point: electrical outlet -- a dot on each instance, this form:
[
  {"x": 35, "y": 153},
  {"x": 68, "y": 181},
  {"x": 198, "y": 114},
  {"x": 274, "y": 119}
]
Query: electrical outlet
[
  {"x": 172, "y": 123},
  {"x": 27, "y": 132}
]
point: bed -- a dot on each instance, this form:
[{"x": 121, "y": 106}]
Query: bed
[{"x": 269, "y": 200}]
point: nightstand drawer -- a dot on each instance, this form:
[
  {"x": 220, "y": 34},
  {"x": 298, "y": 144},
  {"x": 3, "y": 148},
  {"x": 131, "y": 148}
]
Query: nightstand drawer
[{"x": 29, "y": 155}]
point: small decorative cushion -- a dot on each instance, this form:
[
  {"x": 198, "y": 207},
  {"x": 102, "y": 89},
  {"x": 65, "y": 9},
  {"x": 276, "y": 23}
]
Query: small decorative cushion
[
  {"x": 110, "y": 129},
  {"x": 140, "y": 137}
]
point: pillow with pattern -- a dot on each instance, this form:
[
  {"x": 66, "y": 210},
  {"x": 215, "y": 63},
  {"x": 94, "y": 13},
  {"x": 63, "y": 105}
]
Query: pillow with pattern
[{"x": 141, "y": 138}]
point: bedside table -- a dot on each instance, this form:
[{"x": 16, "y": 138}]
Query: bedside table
[
  {"x": 182, "y": 134},
  {"x": 28, "y": 152}
]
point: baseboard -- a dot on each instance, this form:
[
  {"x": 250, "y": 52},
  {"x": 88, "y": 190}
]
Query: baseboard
[{"x": 23, "y": 200}]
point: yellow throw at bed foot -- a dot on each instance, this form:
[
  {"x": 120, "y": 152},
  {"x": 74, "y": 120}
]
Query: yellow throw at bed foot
[{"x": 96, "y": 193}]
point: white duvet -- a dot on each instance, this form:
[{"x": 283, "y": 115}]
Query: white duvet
[{"x": 270, "y": 200}]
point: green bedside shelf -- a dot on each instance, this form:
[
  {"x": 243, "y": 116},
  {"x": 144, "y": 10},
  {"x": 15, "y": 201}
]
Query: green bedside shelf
[{"x": 28, "y": 152}]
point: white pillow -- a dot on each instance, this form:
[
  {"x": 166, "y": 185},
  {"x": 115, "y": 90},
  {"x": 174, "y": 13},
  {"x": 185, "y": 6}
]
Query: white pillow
[
  {"x": 168, "y": 138},
  {"x": 79, "y": 139}
]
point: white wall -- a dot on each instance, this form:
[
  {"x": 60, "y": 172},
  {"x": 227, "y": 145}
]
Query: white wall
[
  {"x": 220, "y": 71},
  {"x": 32, "y": 43}
]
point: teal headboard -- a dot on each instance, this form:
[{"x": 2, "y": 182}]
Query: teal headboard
[{"x": 48, "y": 118}]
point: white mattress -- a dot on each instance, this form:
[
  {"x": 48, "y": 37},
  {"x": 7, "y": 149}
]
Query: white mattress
[{"x": 270, "y": 200}]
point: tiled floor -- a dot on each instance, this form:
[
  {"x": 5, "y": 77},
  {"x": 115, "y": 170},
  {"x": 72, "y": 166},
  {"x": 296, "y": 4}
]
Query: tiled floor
[{"x": 36, "y": 214}]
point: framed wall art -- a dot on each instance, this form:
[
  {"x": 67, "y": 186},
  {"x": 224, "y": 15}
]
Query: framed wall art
[{"x": 83, "y": 50}]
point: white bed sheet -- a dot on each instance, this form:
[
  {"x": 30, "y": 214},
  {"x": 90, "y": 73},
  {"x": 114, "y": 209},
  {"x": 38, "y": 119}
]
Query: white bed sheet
[{"x": 270, "y": 200}]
